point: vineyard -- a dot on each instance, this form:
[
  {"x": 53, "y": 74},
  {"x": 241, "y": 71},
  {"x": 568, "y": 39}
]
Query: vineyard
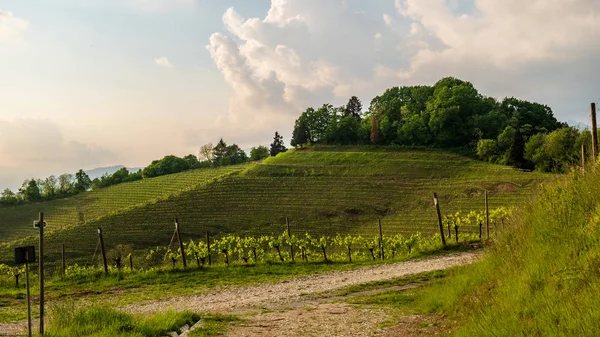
[{"x": 322, "y": 191}]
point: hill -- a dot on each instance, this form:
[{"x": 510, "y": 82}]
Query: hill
[
  {"x": 322, "y": 190},
  {"x": 542, "y": 277}
]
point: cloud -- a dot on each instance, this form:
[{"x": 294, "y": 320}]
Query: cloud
[
  {"x": 306, "y": 53},
  {"x": 163, "y": 62},
  {"x": 11, "y": 27},
  {"x": 37, "y": 147}
]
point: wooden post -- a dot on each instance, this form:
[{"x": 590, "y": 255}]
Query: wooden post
[
  {"x": 487, "y": 215},
  {"x": 41, "y": 272},
  {"x": 181, "y": 249},
  {"x": 594, "y": 133},
  {"x": 208, "y": 248},
  {"x": 439, "y": 215},
  {"x": 583, "y": 157},
  {"x": 456, "y": 230},
  {"x": 287, "y": 222},
  {"x": 131, "y": 261},
  {"x": 381, "y": 240},
  {"x": 27, "y": 258},
  {"x": 102, "y": 250},
  {"x": 64, "y": 265}
]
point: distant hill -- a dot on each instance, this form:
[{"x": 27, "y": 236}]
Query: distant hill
[{"x": 100, "y": 171}]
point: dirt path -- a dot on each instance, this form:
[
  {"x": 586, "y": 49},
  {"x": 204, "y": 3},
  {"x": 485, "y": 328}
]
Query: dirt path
[
  {"x": 294, "y": 313},
  {"x": 240, "y": 300}
]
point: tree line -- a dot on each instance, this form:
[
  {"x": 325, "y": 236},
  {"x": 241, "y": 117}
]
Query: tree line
[
  {"x": 65, "y": 185},
  {"x": 451, "y": 114}
]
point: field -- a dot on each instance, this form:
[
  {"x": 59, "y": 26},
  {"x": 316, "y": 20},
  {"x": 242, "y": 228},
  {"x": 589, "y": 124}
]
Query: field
[{"x": 322, "y": 190}]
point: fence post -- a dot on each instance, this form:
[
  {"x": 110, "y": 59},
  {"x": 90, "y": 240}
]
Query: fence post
[
  {"x": 181, "y": 249},
  {"x": 487, "y": 215},
  {"x": 102, "y": 250},
  {"x": 594, "y": 133},
  {"x": 208, "y": 248},
  {"x": 131, "y": 261},
  {"x": 287, "y": 222},
  {"x": 41, "y": 272},
  {"x": 439, "y": 215},
  {"x": 381, "y": 240},
  {"x": 583, "y": 157}
]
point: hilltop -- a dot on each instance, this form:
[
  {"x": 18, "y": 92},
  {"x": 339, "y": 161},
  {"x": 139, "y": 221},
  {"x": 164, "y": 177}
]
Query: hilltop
[{"x": 323, "y": 190}]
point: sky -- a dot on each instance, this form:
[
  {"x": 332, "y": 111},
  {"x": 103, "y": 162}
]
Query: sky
[{"x": 92, "y": 83}]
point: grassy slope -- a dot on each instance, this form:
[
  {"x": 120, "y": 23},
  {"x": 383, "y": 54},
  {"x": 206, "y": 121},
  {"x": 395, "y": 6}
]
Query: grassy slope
[
  {"x": 16, "y": 222},
  {"x": 542, "y": 278},
  {"x": 322, "y": 190}
]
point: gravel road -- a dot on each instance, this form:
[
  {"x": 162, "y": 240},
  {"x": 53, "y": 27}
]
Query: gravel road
[{"x": 238, "y": 299}]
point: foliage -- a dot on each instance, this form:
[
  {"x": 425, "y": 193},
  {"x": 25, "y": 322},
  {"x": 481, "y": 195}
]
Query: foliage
[
  {"x": 277, "y": 146},
  {"x": 259, "y": 153},
  {"x": 168, "y": 165}
]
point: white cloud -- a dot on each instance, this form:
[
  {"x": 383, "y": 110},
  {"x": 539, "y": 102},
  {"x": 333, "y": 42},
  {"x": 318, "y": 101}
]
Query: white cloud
[
  {"x": 163, "y": 62},
  {"x": 11, "y": 27},
  {"x": 387, "y": 19},
  {"x": 305, "y": 53}
]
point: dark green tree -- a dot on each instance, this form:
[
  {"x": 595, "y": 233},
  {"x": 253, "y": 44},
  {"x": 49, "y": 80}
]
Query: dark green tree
[
  {"x": 353, "y": 108},
  {"x": 192, "y": 160},
  {"x": 82, "y": 181},
  {"x": 277, "y": 145},
  {"x": 300, "y": 135},
  {"x": 219, "y": 152},
  {"x": 31, "y": 190},
  {"x": 259, "y": 153},
  {"x": 168, "y": 165}
]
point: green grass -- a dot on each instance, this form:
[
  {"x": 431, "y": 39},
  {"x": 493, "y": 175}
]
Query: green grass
[
  {"x": 67, "y": 321},
  {"x": 321, "y": 190},
  {"x": 214, "y": 325},
  {"x": 541, "y": 278}
]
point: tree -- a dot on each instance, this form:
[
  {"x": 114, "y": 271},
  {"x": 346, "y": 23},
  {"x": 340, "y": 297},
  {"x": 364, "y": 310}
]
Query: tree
[
  {"x": 50, "y": 186},
  {"x": 206, "y": 152},
  {"x": 31, "y": 190},
  {"x": 168, "y": 165},
  {"x": 82, "y": 181},
  {"x": 8, "y": 197},
  {"x": 300, "y": 135},
  {"x": 219, "y": 152},
  {"x": 277, "y": 145},
  {"x": 65, "y": 183},
  {"x": 235, "y": 155},
  {"x": 353, "y": 108},
  {"x": 259, "y": 153},
  {"x": 487, "y": 149},
  {"x": 193, "y": 161}
]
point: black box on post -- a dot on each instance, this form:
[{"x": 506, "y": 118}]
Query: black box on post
[{"x": 25, "y": 255}]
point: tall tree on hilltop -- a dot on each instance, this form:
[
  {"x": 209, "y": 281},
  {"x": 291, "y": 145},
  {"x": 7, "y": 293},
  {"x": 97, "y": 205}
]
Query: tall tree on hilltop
[
  {"x": 277, "y": 145},
  {"x": 206, "y": 152},
  {"x": 31, "y": 190},
  {"x": 82, "y": 181},
  {"x": 219, "y": 152},
  {"x": 353, "y": 108},
  {"x": 300, "y": 134}
]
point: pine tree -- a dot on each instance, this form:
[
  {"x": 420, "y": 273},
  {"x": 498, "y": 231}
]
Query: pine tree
[
  {"x": 353, "y": 108},
  {"x": 277, "y": 145}
]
